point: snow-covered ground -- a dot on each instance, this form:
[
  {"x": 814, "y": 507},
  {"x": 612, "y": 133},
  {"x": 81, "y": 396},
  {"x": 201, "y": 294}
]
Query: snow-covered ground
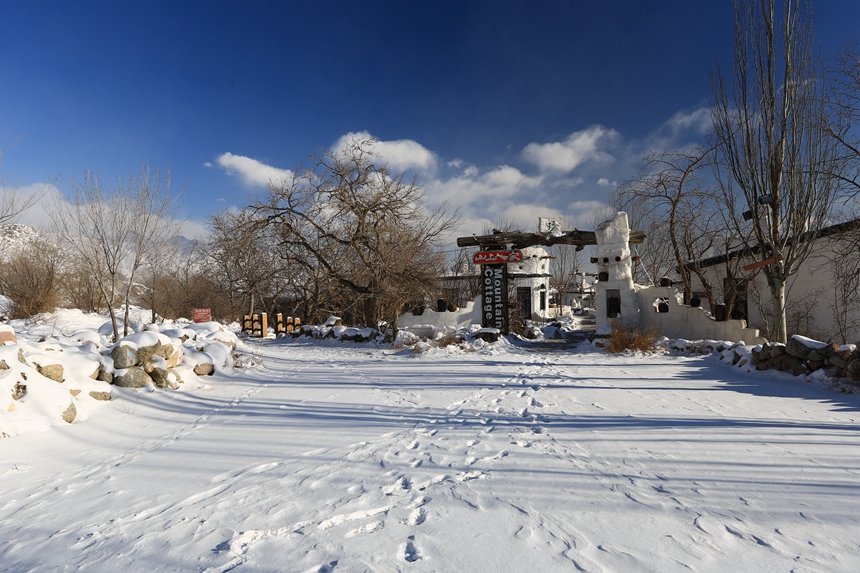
[{"x": 330, "y": 457}]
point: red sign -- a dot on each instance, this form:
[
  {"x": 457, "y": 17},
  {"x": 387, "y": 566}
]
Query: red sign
[
  {"x": 763, "y": 263},
  {"x": 497, "y": 257},
  {"x": 202, "y": 314}
]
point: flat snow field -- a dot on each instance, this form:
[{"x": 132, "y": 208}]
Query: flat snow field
[{"x": 342, "y": 458}]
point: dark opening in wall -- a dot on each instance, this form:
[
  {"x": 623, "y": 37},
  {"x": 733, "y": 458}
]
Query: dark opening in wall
[{"x": 613, "y": 302}]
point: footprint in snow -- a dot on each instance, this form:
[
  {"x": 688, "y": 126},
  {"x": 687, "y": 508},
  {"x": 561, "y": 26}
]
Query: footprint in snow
[
  {"x": 417, "y": 516},
  {"x": 366, "y": 529},
  {"x": 409, "y": 552}
]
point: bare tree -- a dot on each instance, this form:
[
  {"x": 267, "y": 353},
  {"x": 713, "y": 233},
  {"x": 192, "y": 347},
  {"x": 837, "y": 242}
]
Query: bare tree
[
  {"x": 152, "y": 209},
  {"x": 244, "y": 257},
  {"x": 669, "y": 192},
  {"x": 843, "y": 106},
  {"x": 566, "y": 264},
  {"x": 113, "y": 230},
  {"x": 771, "y": 140},
  {"x": 366, "y": 227}
]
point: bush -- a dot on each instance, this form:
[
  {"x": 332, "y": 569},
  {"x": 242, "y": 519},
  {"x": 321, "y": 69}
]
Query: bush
[
  {"x": 30, "y": 279},
  {"x": 621, "y": 338}
]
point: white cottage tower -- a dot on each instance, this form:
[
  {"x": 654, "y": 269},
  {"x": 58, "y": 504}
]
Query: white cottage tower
[{"x": 615, "y": 293}]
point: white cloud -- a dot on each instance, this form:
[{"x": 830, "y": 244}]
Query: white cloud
[
  {"x": 498, "y": 184},
  {"x": 400, "y": 155},
  {"x": 207, "y": 164},
  {"x": 603, "y": 181},
  {"x": 578, "y": 148},
  {"x": 699, "y": 121},
  {"x": 253, "y": 172}
]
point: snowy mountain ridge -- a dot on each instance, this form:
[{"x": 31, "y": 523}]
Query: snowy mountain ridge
[{"x": 14, "y": 237}]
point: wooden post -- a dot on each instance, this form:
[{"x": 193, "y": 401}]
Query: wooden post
[
  {"x": 288, "y": 326},
  {"x": 255, "y": 324},
  {"x": 264, "y": 325},
  {"x": 246, "y": 323},
  {"x": 279, "y": 324}
]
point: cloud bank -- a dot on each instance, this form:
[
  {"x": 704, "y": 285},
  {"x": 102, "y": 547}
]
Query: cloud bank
[
  {"x": 572, "y": 178},
  {"x": 253, "y": 173},
  {"x": 579, "y": 147}
]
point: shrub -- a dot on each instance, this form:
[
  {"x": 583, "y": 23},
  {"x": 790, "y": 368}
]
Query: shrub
[
  {"x": 30, "y": 279},
  {"x": 621, "y": 338}
]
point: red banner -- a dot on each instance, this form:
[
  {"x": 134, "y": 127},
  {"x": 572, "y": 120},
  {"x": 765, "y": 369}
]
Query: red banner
[
  {"x": 497, "y": 257},
  {"x": 202, "y": 314}
]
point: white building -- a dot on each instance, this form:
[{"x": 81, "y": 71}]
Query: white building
[
  {"x": 817, "y": 305},
  {"x": 529, "y": 283}
]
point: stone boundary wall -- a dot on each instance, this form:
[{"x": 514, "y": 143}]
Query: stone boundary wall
[{"x": 683, "y": 321}]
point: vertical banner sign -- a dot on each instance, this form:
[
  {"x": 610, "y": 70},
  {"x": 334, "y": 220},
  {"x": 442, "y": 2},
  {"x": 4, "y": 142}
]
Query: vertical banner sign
[{"x": 495, "y": 307}]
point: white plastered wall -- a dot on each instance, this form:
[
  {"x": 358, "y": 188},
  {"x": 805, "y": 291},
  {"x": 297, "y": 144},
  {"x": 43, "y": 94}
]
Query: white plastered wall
[
  {"x": 810, "y": 293},
  {"x": 682, "y": 321},
  {"x": 461, "y": 318}
]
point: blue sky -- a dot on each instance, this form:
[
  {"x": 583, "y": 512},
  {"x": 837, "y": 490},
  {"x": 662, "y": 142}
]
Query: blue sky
[{"x": 508, "y": 109}]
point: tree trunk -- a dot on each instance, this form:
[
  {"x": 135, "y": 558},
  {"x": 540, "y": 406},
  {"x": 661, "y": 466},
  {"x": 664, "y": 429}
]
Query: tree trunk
[
  {"x": 370, "y": 312},
  {"x": 777, "y": 290}
]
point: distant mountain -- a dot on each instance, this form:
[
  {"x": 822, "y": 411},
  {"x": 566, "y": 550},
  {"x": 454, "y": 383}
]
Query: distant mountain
[
  {"x": 184, "y": 244},
  {"x": 14, "y": 237}
]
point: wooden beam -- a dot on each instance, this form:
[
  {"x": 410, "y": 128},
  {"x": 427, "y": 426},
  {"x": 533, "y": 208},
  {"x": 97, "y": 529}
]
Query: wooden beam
[{"x": 519, "y": 240}]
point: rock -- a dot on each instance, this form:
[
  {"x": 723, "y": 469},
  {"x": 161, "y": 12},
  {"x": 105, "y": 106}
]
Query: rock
[
  {"x": 777, "y": 349},
  {"x": 103, "y": 396},
  {"x": 21, "y": 358},
  {"x": 764, "y": 354},
  {"x": 204, "y": 369},
  {"x": 170, "y": 355},
  {"x": 105, "y": 376},
  {"x": 144, "y": 353},
  {"x": 838, "y": 361},
  {"x": 853, "y": 366},
  {"x": 742, "y": 363},
  {"x": 133, "y": 377},
  {"x": 3, "y": 365},
  {"x": 797, "y": 349},
  {"x": 829, "y": 350},
  {"x": 96, "y": 372},
  {"x": 762, "y": 365},
  {"x": 787, "y": 363},
  {"x": 75, "y": 391},
  {"x": 18, "y": 391},
  {"x": 70, "y": 414},
  {"x": 124, "y": 356},
  {"x": 815, "y": 356},
  {"x": 488, "y": 334},
  {"x": 815, "y": 364},
  {"x": 159, "y": 377},
  {"x": 51, "y": 371},
  {"x": 175, "y": 375}
]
